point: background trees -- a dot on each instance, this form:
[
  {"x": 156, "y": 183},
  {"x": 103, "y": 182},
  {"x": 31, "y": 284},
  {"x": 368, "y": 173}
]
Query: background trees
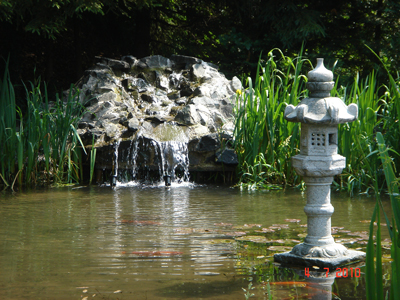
[{"x": 61, "y": 37}]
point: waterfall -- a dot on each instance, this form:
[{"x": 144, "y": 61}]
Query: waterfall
[
  {"x": 174, "y": 159},
  {"x": 152, "y": 156},
  {"x": 115, "y": 163}
]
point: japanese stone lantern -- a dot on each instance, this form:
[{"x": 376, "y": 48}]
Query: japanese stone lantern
[{"x": 318, "y": 162}]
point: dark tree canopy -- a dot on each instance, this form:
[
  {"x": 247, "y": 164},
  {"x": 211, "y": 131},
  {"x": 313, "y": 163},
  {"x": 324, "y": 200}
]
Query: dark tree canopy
[{"x": 61, "y": 37}]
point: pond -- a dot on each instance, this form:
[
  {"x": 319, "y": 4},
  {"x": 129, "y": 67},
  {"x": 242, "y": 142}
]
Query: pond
[{"x": 151, "y": 242}]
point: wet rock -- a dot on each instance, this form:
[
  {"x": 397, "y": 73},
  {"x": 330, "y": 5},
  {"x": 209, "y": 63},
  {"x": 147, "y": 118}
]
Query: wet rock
[
  {"x": 133, "y": 124},
  {"x": 157, "y": 62},
  {"x": 129, "y": 100},
  {"x": 227, "y": 156},
  {"x": 209, "y": 142},
  {"x": 205, "y": 101},
  {"x": 113, "y": 63},
  {"x": 184, "y": 62},
  {"x": 148, "y": 97},
  {"x": 174, "y": 95},
  {"x": 235, "y": 84},
  {"x": 187, "y": 115},
  {"x": 131, "y": 60}
]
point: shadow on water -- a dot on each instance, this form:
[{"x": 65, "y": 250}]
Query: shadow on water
[
  {"x": 181, "y": 242},
  {"x": 187, "y": 290}
]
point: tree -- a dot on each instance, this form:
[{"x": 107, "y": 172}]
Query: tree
[{"x": 67, "y": 34}]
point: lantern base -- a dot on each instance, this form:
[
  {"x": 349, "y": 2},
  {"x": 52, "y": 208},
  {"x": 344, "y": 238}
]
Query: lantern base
[{"x": 348, "y": 257}]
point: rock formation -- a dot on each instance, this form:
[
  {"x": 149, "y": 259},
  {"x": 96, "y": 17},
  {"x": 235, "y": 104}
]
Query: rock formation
[{"x": 165, "y": 116}]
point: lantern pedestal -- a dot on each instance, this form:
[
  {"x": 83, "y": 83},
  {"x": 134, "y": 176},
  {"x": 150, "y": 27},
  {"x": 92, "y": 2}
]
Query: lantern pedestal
[{"x": 288, "y": 258}]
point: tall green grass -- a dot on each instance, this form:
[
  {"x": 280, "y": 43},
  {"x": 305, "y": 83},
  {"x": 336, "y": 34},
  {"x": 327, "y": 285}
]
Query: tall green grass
[
  {"x": 374, "y": 275},
  {"x": 265, "y": 142},
  {"x": 9, "y": 138},
  {"x": 40, "y": 145},
  {"x": 357, "y": 139}
]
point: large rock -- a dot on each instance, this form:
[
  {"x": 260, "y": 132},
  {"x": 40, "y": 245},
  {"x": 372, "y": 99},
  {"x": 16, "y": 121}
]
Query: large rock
[{"x": 135, "y": 105}]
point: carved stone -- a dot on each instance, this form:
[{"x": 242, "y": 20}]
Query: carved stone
[{"x": 318, "y": 162}]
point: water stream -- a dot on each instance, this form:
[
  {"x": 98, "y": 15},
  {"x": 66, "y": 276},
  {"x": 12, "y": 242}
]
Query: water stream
[
  {"x": 182, "y": 242},
  {"x": 167, "y": 142}
]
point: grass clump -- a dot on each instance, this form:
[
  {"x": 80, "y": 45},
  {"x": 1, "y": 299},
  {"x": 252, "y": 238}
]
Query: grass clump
[
  {"x": 265, "y": 141},
  {"x": 40, "y": 145},
  {"x": 374, "y": 274}
]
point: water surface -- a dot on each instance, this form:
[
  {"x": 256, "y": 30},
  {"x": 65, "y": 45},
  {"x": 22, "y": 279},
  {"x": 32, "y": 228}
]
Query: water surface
[{"x": 136, "y": 242}]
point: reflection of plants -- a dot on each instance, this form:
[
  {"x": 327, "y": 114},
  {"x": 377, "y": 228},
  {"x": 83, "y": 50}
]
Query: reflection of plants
[{"x": 248, "y": 294}]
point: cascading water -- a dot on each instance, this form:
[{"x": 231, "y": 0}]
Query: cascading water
[
  {"x": 155, "y": 155},
  {"x": 174, "y": 159},
  {"x": 115, "y": 163}
]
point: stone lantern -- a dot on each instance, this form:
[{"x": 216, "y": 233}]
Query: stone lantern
[{"x": 318, "y": 162}]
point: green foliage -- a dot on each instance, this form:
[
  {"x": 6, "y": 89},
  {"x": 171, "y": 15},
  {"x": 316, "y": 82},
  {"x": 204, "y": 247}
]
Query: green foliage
[
  {"x": 231, "y": 34},
  {"x": 47, "y": 17},
  {"x": 92, "y": 160},
  {"x": 248, "y": 294},
  {"x": 44, "y": 145},
  {"x": 264, "y": 140},
  {"x": 374, "y": 275},
  {"x": 9, "y": 139}
]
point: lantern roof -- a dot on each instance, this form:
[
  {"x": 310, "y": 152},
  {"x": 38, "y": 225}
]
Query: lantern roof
[{"x": 320, "y": 107}]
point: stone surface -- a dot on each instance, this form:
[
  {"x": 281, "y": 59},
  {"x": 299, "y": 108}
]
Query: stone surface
[
  {"x": 128, "y": 99},
  {"x": 287, "y": 258},
  {"x": 227, "y": 156},
  {"x": 318, "y": 162},
  {"x": 320, "y": 108}
]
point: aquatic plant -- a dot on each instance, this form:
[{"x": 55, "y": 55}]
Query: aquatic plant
[
  {"x": 265, "y": 142},
  {"x": 374, "y": 274},
  {"x": 248, "y": 294},
  {"x": 41, "y": 144},
  {"x": 9, "y": 139},
  {"x": 93, "y": 152}
]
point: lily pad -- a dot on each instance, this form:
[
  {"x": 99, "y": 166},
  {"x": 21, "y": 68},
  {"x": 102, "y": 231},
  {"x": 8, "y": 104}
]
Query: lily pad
[
  {"x": 254, "y": 239},
  {"x": 263, "y": 230},
  {"x": 293, "y": 220},
  {"x": 279, "y": 248},
  {"x": 246, "y": 226},
  {"x": 217, "y": 242},
  {"x": 236, "y": 233},
  {"x": 223, "y": 224}
]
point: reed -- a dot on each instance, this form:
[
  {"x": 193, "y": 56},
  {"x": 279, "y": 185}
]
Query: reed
[
  {"x": 374, "y": 275},
  {"x": 8, "y": 129},
  {"x": 264, "y": 141},
  {"x": 41, "y": 145},
  {"x": 92, "y": 160},
  {"x": 356, "y": 140}
]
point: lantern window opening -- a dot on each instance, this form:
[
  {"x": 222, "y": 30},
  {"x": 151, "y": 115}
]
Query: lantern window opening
[
  {"x": 318, "y": 139},
  {"x": 332, "y": 139}
]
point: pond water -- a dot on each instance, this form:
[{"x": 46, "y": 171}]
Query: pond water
[{"x": 182, "y": 242}]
